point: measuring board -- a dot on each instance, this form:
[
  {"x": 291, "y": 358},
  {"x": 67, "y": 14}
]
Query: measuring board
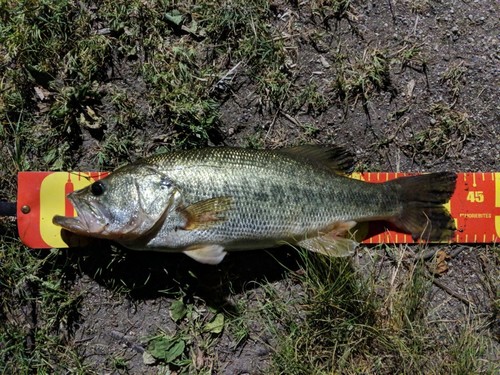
[{"x": 475, "y": 206}]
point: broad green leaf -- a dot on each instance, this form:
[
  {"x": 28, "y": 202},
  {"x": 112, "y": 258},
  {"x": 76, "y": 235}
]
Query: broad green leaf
[
  {"x": 178, "y": 310},
  {"x": 175, "y": 351},
  {"x": 175, "y": 17},
  {"x": 216, "y": 325},
  {"x": 166, "y": 348},
  {"x": 159, "y": 346}
]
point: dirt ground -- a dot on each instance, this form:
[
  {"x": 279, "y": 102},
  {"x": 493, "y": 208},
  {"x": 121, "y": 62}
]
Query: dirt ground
[
  {"x": 454, "y": 35},
  {"x": 436, "y": 108}
]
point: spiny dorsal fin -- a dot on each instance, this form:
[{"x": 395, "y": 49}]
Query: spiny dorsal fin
[
  {"x": 334, "y": 158},
  {"x": 205, "y": 213}
]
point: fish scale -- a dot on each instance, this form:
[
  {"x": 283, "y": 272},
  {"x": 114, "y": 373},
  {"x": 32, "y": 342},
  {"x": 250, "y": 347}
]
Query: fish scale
[
  {"x": 204, "y": 202},
  {"x": 310, "y": 197}
]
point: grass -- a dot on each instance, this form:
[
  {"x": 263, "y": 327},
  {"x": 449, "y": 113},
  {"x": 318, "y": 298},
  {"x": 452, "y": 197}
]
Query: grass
[
  {"x": 453, "y": 77},
  {"x": 38, "y": 311},
  {"x": 361, "y": 320},
  {"x": 94, "y": 87},
  {"x": 451, "y": 129},
  {"x": 357, "y": 80}
]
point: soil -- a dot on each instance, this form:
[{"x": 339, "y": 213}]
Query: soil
[{"x": 452, "y": 36}]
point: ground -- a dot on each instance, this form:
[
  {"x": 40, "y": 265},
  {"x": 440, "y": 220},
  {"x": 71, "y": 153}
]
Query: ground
[{"x": 405, "y": 85}]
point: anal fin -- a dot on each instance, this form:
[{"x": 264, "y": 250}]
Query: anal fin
[
  {"x": 207, "y": 254},
  {"x": 335, "y": 243}
]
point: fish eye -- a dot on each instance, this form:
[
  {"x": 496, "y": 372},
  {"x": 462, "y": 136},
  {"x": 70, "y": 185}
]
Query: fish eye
[
  {"x": 165, "y": 183},
  {"x": 97, "y": 188}
]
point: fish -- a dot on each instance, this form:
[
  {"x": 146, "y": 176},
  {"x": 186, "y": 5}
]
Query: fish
[{"x": 210, "y": 201}]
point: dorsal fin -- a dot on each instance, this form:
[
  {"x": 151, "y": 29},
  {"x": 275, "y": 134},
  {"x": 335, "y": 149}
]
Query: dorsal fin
[{"x": 334, "y": 158}]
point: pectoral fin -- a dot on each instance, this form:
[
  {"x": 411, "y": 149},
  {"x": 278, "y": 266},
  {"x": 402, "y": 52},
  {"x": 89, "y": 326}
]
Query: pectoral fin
[
  {"x": 334, "y": 243},
  {"x": 207, "y": 254},
  {"x": 205, "y": 213}
]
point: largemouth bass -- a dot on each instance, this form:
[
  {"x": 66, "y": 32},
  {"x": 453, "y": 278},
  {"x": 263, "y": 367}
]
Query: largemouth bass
[{"x": 208, "y": 201}]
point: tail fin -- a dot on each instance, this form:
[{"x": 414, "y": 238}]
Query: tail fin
[{"x": 422, "y": 197}]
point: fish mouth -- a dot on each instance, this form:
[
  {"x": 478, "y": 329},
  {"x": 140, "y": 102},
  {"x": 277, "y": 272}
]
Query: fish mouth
[{"x": 88, "y": 222}]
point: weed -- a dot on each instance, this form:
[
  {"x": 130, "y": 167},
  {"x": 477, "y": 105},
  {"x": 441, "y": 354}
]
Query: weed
[
  {"x": 453, "y": 77},
  {"x": 310, "y": 130},
  {"x": 275, "y": 87},
  {"x": 82, "y": 84},
  {"x": 188, "y": 350},
  {"x": 419, "y": 6},
  {"x": 310, "y": 100},
  {"x": 17, "y": 153},
  {"x": 255, "y": 140},
  {"x": 238, "y": 328},
  {"x": 37, "y": 308},
  {"x": 119, "y": 364},
  {"x": 327, "y": 10},
  {"x": 180, "y": 94},
  {"x": 448, "y": 132},
  {"x": 242, "y": 27},
  {"x": 364, "y": 322},
  {"x": 411, "y": 55},
  {"x": 358, "y": 80},
  {"x": 467, "y": 350}
]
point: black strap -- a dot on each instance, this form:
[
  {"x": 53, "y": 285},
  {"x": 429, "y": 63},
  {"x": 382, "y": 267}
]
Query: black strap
[{"x": 8, "y": 208}]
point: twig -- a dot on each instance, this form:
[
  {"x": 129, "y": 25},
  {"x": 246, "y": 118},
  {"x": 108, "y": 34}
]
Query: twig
[
  {"x": 225, "y": 82},
  {"x": 449, "y": 291},
  {"x": 125, "y": 339},
  {"x": 392, "y": 11},
  {"x": 428, "y": 255},
  {"x": 290, "y": 118},
  {"x": 456, "y": 251}
]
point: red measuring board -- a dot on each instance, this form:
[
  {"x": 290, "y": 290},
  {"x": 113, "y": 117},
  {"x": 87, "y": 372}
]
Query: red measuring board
[
  {"x": 40, "y": 196},
  {"x": 475, "y": 206}
]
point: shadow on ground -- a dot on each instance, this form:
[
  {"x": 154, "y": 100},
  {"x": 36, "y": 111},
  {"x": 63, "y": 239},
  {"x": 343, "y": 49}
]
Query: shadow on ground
[{"x": 146, "y": 275}]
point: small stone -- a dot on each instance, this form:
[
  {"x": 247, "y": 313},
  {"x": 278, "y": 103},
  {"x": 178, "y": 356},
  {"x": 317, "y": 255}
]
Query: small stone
[
  {"x": 410, "y": 87},
  {"x": 324, "y": 62},
  {"x": 148, "y": 359}
]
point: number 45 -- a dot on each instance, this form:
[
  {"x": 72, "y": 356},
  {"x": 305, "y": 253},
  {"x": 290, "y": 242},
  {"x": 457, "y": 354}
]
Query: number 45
[{"x": 475, "y": 196}]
